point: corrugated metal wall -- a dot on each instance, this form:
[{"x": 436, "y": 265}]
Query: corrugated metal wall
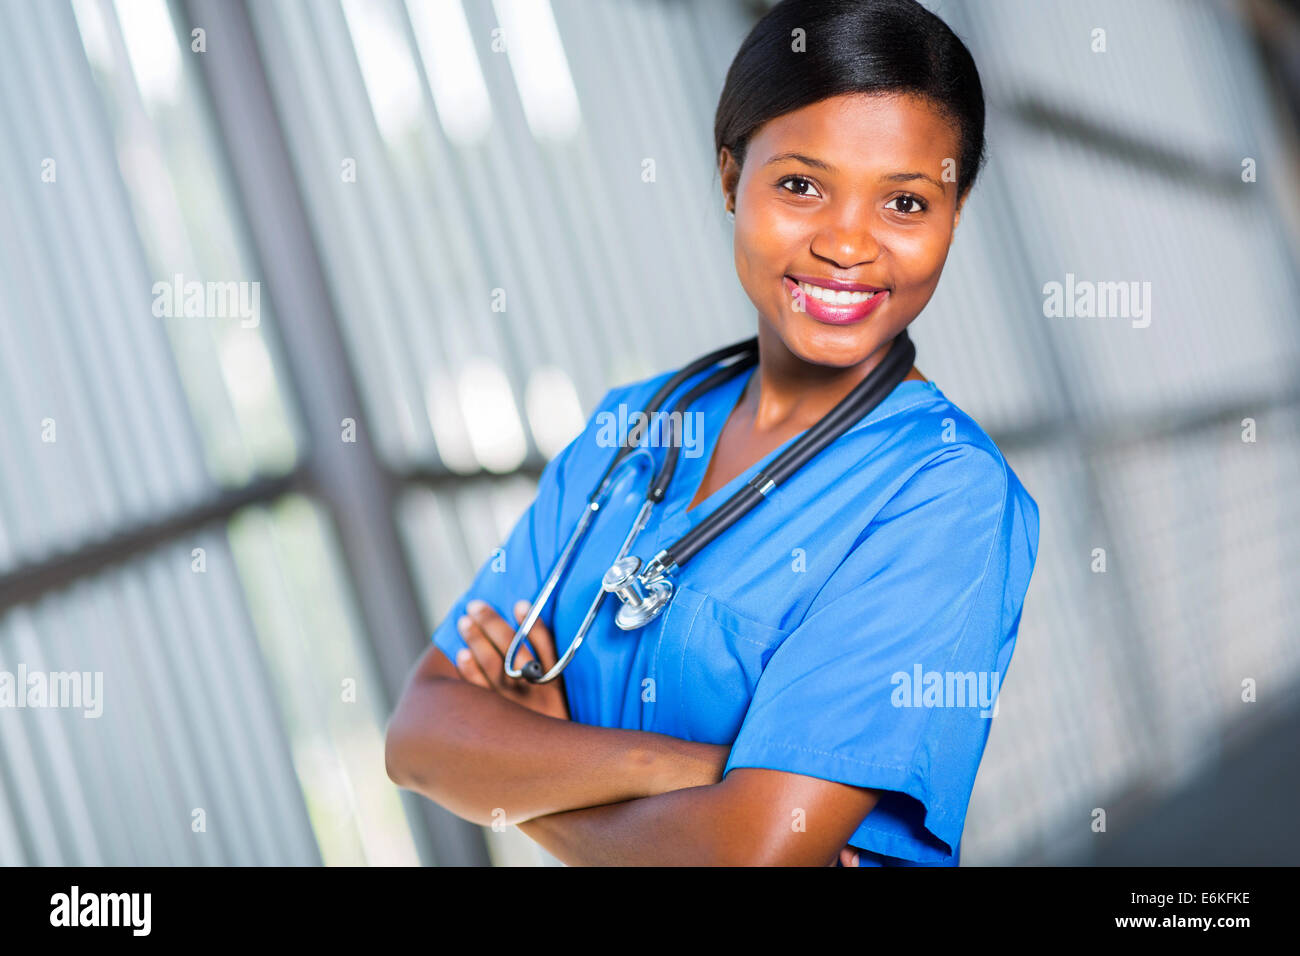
[
  {"x": 509, "y": 228},
  {"x": 142, "y": 542},
  {"x": 1120, "y": 166}
]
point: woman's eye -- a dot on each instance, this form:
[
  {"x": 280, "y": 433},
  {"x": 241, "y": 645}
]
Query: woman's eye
[
  {"x": 803, "y": 189},
  {"x": 910, "y": 204}
]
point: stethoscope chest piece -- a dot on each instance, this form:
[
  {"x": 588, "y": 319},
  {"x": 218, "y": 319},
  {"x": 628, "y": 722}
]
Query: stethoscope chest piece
[{"x": 640, "y": 602}]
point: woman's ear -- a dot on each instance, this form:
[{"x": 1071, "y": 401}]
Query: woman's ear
[
  {"x": 729, "y": 174},
  {"x": 961, "y": 201}
]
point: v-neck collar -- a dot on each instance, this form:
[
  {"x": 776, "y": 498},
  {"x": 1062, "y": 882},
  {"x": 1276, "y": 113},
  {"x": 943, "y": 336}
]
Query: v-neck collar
[{"x": 718, "y": 406}]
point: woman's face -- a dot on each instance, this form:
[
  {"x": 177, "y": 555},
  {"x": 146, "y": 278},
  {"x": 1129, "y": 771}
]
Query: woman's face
[{"x": 869, "y": 199}]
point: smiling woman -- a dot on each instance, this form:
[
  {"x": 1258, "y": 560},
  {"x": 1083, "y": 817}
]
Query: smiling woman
[
  {"x": 855, "y": 223},
  {"x": 756, "y": 720}
]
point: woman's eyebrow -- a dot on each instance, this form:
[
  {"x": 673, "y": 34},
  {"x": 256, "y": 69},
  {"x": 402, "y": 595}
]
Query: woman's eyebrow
[
  {"x": 909, "y": 177},
  {"x": 821, "y": 164},
  {"x": 808, "y": 160}
]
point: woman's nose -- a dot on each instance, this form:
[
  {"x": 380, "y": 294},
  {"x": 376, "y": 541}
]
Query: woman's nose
[{"x": 847, "y": 237}]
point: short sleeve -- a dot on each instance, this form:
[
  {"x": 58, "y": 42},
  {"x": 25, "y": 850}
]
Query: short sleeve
[
  {"x": 890, "y": 680},
  {"x": 515, "y": 571}
]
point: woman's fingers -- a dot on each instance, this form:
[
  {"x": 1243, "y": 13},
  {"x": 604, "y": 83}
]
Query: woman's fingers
[
  {"x": 540, "y": 636},
  {"x": 489, "y": 636},
  {"x": 483, "y": 648},
  {"x": 494, "y": 626},
  {"x": 498, "y": 632},
  {"x": 468, "y": 666}
]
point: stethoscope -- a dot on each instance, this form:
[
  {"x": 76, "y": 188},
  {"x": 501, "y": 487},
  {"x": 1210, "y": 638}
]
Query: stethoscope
[{"x": 646, "y": 591}]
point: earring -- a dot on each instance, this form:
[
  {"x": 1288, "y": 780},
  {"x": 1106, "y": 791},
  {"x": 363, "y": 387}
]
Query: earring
[{"x": 731, "y": 215}]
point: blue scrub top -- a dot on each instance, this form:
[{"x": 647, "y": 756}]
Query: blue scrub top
[{"x": 853, "y": 627}]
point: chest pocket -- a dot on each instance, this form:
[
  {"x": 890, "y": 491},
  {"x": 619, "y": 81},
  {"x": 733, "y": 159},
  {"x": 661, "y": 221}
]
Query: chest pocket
[{"x": 710, "y": 660}]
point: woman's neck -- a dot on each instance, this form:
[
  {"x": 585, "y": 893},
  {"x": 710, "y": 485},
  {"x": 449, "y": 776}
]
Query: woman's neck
[{"x": 785, "y": 393}]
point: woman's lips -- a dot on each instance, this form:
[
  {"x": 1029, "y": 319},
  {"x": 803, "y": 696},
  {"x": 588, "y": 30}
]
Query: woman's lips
[{"x": 845, "y": 310}]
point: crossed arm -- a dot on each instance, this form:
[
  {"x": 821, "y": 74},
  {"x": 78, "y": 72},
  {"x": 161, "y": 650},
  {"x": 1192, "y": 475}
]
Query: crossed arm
[{"x": 490, "y": 748}]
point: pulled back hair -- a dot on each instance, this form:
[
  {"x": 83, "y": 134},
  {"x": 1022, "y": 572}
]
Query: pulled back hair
[{"x": 852, "y": 46}]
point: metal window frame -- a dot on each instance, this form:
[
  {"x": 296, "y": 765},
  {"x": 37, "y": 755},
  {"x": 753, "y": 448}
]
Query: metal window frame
[{"x": 350, "y": 481}]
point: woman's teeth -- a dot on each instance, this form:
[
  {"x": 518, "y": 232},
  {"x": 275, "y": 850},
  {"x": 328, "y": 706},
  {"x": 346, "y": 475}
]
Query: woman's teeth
[{"x": 833, "y": 297}]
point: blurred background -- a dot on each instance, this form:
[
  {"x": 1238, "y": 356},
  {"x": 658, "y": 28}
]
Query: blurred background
[{"x": 446, "y": 227}]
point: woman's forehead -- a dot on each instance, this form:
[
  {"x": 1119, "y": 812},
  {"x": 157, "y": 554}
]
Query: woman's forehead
[
  {"x": 857, "y": 135},
  {"x": 852, "y": 124}
]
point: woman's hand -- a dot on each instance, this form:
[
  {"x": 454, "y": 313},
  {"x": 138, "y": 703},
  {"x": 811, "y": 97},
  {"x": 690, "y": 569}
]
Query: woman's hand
[
  {"x": 848, "y": 857},
  {"x": 488, "y": 636}
]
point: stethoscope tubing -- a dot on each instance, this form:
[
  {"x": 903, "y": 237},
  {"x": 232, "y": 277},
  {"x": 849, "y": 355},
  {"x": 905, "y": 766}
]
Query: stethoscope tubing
[
  {"x": 532, "y": 668},
  {"x": 865, "y": 396},
  {"x": 657, "y": 400},
  {"x": 869, "y": 393},
  {"x": 748, "y": 350}
]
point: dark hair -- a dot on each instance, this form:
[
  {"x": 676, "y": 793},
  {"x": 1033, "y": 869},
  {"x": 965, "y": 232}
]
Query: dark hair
[{"x": 852, "y": 46}]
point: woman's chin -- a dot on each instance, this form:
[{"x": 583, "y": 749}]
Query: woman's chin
[{"x": 830, "y": 345}]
